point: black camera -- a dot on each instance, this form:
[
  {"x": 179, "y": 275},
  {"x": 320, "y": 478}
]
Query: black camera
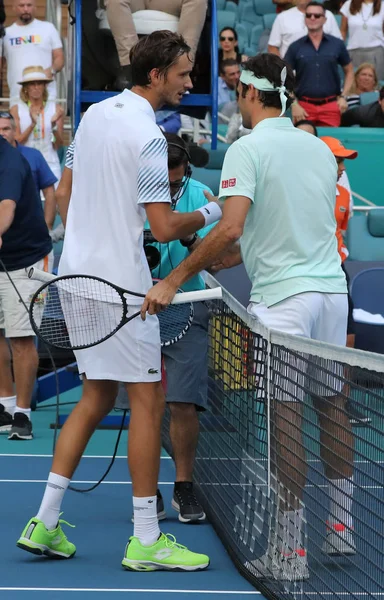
[{"x": 151, "y": 252}]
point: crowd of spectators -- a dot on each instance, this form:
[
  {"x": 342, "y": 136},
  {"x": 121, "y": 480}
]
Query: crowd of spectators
[{"x": 338, "y": 69}]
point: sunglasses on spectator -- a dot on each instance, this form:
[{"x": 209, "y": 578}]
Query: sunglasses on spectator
[
  {"x": 229, "y": 39},
  {"x": 314, "y": 15},
  {"x": 5, "y": 115}
]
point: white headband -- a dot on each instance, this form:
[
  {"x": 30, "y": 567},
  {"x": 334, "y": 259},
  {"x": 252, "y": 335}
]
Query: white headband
[{"x": 264, "y": 85}]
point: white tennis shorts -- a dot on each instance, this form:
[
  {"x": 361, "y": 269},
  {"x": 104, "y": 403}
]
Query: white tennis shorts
[
  {"x": 14, "y": 318},
  {"x": 132, "y": 355},
  {"x": 313, "y": 315}
]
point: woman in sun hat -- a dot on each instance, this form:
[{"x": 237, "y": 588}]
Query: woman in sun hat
[{"x": 39, "y": 122}]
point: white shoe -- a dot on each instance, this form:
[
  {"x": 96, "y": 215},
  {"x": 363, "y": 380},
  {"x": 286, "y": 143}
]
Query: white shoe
[
  {"x": 276, "y": 565},
  {"x": 339, "y": 541}
]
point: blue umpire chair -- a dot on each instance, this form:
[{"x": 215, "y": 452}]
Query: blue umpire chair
[{"x": 81, "y": 98}]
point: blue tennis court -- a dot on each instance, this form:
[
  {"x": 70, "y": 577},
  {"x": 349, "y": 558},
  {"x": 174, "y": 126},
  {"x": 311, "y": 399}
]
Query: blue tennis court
[{"x": 103, "y": 525}]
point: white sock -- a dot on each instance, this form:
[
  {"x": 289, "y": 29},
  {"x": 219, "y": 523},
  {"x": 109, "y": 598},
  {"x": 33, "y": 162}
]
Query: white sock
[
  {"x": 9, "y": 403},
  {"x": 146, "y": 524},
  {"x": 53, "y": 496},
  {"x": 341, "y": 496},
  {"x": 290, "y": 530},
  {"x": 25, "y": 411}
]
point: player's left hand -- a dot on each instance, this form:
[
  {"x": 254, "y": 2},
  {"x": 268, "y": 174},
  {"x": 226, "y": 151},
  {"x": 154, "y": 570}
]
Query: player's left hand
[{"x": 158, "y": 298}]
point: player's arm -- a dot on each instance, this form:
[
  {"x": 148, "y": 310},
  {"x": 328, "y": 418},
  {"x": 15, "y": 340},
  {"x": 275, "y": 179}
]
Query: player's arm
[
  {"x": 231, "y": 256},
  {"x": 217, "y": 242},
  {"x": 167, "y": 225},
  {"x": 154, "y": 195},
  {"x": 227, "y": 231}
]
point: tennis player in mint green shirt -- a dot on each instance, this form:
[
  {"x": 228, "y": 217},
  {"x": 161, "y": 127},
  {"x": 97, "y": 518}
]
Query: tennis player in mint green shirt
[{"x": 278, "y": 194}]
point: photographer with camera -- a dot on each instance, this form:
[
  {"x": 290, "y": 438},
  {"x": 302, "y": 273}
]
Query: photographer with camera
[{"x": 186, "y": 361}]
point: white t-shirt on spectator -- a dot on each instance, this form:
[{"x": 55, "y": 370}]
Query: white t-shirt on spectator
[
  {"x": 365, "y": 30},
  {"x": 289, "y": 26},
  {"x": 27, "y": 46},
  {"x": 120, "y": 164}
]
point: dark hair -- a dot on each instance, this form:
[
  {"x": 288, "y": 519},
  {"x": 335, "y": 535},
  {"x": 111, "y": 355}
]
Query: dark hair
[
  {"x": 381, "y": 93},
  {"x": 357, "y": 4},
  {"x": 159, "y": 50},
  {"x": 177, "y": 151},
  {"x": 314, "y": 3},
  {"x": 270, "y": 67},
  {"x": 229, "y": 29},
  {"x": 227, "y": 62},
  {"x": 310, "y": 123}
]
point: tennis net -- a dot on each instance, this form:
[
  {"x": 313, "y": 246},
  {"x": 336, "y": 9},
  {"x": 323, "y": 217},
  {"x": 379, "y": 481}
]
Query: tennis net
[{"x": 294, "y": 492}]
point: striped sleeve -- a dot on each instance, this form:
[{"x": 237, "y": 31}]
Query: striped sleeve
[
  {"x": 153, "y": 179},
  {"x": 69, "y": 156}
]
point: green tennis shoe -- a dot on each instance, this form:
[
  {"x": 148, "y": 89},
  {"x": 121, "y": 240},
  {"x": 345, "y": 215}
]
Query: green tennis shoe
[
  {"x": 166, "y": 554},
  {"x": 36, "y": 538}
]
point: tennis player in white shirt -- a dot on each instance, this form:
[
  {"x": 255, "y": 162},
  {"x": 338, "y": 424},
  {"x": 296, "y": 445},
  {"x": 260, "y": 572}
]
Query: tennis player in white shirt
[{"x": 120, "y": 178}]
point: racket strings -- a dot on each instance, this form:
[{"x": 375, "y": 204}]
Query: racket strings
[
  {"x": 175, "y": 322},
  {"x": 77, "y": 312}
]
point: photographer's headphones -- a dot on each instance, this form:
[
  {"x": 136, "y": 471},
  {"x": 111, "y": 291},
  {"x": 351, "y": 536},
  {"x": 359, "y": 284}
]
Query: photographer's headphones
[
  {"x": 151, "y": 252},
  {"x": 187, "y": 173}
]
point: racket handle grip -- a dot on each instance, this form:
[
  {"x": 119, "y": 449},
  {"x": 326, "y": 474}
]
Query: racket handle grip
[
  {"x": 39, "y": 275},
  {"x": 198, "y": 296}
]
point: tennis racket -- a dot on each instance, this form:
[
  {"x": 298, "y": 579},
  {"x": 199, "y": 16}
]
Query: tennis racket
[{"x": 77, "y": 311}]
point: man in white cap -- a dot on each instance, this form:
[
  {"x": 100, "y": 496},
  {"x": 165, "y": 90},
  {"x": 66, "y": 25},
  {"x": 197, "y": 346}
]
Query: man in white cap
[
  {"x": 278, "y": 190},
  {"x": 29, "y": 41}
]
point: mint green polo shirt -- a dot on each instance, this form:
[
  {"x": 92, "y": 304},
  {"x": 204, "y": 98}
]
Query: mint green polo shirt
[
  {"x": 289, "y": 241},
  {"x": 173, "y": 253}
]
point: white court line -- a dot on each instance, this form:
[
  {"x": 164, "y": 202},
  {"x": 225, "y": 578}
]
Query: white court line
[
  {"x": 133, "y": 590},
  {"x": 343, "y": 593},
  {"x": 377, "y": 462},
  {"x": 241, "y": 485},
  {"x": 87, "y": 456},
  {"x": 78, "y": 481}
]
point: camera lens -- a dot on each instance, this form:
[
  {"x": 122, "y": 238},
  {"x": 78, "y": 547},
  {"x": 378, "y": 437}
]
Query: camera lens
[{"x": 153, "y": 256}]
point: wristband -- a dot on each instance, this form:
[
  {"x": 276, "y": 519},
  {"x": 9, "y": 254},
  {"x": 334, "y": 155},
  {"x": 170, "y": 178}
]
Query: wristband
[{"x": 211, "y": 213}]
